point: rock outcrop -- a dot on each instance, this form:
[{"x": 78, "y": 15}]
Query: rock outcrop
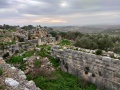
[{"x": 14, "y": 79}]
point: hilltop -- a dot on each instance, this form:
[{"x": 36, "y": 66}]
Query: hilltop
[{"x": 86, "y": 29}]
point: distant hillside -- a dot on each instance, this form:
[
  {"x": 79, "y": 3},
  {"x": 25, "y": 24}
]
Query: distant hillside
[
  {"x": 112, "y": 31},
  {"x": 86, "y": 29}
]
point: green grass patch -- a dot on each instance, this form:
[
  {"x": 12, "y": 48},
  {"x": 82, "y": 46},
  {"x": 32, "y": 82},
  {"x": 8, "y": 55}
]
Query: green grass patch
[
  {"x": 28, "y": 54},
  {"x": 54, "y": 61},
  {"x": 44, "y": 50},
  {"x": 19, "y": 59},
  {"x": 15, "y": 60},
  {"x": 61, "y": 81},
  {"x": 42, "y": 54},
  {"x": 47, "y": 47},
  {"x": 65, "y": 42}
]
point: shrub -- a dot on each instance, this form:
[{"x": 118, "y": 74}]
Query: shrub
[
  {"x": 6, "y": 55},
  {"x": 22, "y": 66},
  {"x": 42, "y": 54},
  {"x": 29, "y": 77},
  {"x": 15, "y": 59},
  {"x": 16, "y": 51},
  {"x": 65, "y": 42},
  {"x": 99, "y": 52},
  {"x": 55, "y": 62},
  {"x": 117, "y": 49},
  {"x": 1, "y": 71},
  {"x": 28, "y": 54}
]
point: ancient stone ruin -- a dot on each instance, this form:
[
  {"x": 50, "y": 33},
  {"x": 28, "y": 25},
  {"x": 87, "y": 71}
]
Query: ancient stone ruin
[
  {"x": 103, "y": 71},
  {"x": 38, "y": 35}
]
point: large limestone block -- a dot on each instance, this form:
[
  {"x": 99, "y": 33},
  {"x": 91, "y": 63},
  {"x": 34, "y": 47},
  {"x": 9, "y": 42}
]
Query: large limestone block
[
  {"x": 13, "y": 69},
  {"x": 31, "y": 85},
  {"x": 26, "y": 88},
  {"x": 106, "y": 59},
  {"x": 21, "y": 75},
  {"x": 11, "y": 82}
]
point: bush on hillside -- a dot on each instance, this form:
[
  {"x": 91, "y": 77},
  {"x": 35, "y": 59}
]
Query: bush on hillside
[{"x": 99, "y": 52}]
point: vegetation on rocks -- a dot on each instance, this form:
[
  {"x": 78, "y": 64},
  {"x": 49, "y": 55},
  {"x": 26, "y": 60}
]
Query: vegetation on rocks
[
  {"x": 18, "y": 60},
  {"x": 98, "y": 52}
]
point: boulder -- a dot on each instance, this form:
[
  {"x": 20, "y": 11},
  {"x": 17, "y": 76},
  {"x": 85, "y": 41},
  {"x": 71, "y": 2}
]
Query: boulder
[
  {"x": 26, "y": 88},
  {"x": 21, "y": 75},
  {"x": 13, "y": 69},
  {"x": 11, "y": 82},
  {"x": 31, "y": 85},
  {"x": 38, "y": 58},
  {"x": 24, "y": 59},
  {"x": 1, "y": 58}
]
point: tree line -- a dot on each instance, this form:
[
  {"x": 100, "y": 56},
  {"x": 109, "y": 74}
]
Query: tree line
[{"x": 91, "y": 41}]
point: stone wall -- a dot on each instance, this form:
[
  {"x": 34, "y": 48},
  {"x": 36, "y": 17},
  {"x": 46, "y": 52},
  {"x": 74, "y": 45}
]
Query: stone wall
[{"x": 103, "y": 71}]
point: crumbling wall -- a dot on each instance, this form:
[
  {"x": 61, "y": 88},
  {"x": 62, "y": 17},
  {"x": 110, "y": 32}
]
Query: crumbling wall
[{"x": 103, "y": 71}]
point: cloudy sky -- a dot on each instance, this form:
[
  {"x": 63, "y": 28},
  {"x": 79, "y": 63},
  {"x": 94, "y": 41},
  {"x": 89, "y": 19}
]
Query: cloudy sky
[{"x": 59, "y": 12}]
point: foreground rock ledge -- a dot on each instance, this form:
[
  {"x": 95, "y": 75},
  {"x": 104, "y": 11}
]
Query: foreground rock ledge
[{"x": 14, "y": 79}]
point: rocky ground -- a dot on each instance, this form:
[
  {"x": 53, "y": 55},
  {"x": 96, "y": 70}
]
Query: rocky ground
[
  {"x": 37, "y": 65},
  {"x": 15, "y": 79},
  {"x": 12, "y": 78}
]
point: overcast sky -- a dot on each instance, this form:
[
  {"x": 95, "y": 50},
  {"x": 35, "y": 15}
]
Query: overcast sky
[{"x": 59, "y": 12}]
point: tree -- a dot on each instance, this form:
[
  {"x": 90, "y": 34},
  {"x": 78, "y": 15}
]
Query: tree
[
  {"x": 29, "y": 27},
  {"x": 83, "y": 42}
]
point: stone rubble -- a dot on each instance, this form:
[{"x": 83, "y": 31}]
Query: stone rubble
[
  {"x": 45, "y": 67},
  {"x": 14, "y": 79}
]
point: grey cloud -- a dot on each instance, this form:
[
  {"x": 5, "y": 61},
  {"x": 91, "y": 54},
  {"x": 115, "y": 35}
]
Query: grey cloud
[
  {"x": 75, "y": 6},
  {"x": 4, "y": 3},
  {"x": 52, "y": 8}
]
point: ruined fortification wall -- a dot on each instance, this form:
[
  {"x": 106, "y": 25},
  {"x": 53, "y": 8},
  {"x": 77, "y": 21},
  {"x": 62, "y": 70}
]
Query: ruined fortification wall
[{"x": 100, "y": 70}]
